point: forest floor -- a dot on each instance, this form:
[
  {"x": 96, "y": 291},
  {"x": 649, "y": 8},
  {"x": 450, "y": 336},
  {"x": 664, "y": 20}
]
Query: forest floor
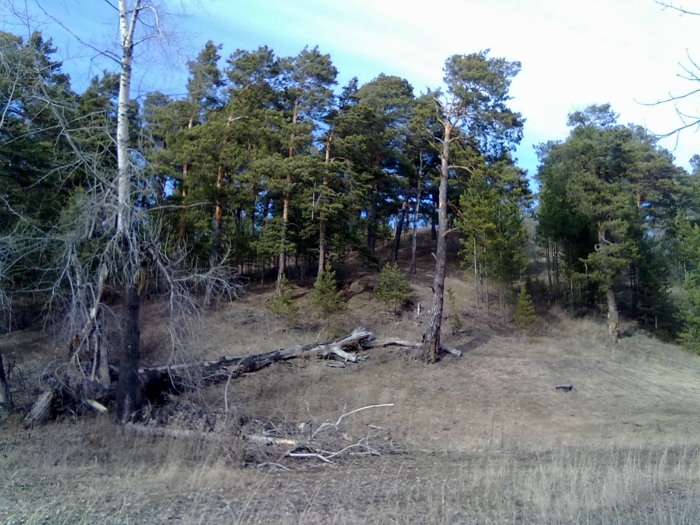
[{"x": 482, "y": 438}]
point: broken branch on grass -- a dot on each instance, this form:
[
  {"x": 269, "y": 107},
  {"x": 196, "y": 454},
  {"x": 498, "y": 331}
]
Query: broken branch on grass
[
  {"x": 328, "y": 424},
  {"x": 410, "y": 344},
  {"x": 307, "y": 455}
]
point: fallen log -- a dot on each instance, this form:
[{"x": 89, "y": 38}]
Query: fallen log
[
  {"x": 226, "y": 368},
  {"x": 158, "y": 381},
  {"x": 410, "y": 344}
]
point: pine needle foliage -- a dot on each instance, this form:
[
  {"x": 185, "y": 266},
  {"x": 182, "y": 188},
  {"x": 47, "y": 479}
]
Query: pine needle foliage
[
  {"x": 455, "y": 319},
  {"x": 524, "y": 310},
  {"x": 282, "y": 304},
  {"x": 393, "y": 289},
  {"x": 325, "y": 298}
]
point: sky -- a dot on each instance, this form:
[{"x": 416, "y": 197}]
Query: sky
[{"x": 574, "y": 53}]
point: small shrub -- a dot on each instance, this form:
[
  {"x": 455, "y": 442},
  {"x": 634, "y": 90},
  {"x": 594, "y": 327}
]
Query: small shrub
[
  {"x": 392, "y": 289},
  {"x": 325, "y": 297},
  {"x": 455, "y": 318},
  {"x": 282, "y": 304},
  {"x": 524, "y": 310}
]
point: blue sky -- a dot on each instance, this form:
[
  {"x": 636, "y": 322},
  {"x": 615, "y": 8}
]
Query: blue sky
[{"x": 573, "y": 53}]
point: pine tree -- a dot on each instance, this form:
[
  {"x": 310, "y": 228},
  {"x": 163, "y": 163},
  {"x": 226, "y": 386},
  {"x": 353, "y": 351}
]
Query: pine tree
[
  {"x": 325, "y": 297},
  {"x": 607, "y": 191},
  {"x": 393, "y": 289},
  {"x": 473, "y": 112},
  {"x": 524, "y": 309}
]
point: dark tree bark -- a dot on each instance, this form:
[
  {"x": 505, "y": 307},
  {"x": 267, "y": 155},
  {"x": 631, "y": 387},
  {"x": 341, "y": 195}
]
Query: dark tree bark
[
  {"x": 5, "y": 394},
  {"x": 431, "y": 340},
  {"x": 613, "y": 316},
  {"x": 372, "y": 221},
  {"x": 321, "y": 249},
  {"x": 322, "y": 233},
  {"x": 399, "y": 229},
  {"x": 215, "y": 239},
  {"x": 414, "y": 233},
  {"x": 127, "y": 388}
]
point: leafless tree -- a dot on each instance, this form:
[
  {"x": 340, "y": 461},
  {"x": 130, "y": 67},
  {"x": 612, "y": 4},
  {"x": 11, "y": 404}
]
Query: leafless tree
[
  {"x": 108, "y": 236},
  {"x": 690, "y": 71}
]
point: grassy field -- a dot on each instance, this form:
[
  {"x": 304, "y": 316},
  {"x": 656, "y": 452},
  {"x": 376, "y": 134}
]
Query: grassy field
[{"x": 485, "y": 438}]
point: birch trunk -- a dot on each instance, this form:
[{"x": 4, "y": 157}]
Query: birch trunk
[{"x": 128, "y": 378}]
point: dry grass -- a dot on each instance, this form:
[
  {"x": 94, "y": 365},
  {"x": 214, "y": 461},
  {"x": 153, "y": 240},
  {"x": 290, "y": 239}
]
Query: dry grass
[
  {"x": 181, "y": 482},
  {"x": 481, "y": 439}
]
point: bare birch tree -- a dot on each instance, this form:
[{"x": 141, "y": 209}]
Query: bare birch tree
[{"x": 107, "y": 235}]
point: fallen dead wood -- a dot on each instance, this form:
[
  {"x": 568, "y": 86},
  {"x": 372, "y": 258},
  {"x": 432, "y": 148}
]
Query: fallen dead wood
[
  {"x": 144, "y": 430},
  {"x": 158, "y": 381},
  {"x": 309, "y": 446},
  {"x": 177, "y": 377},
  {"x": 208, "y": 372},
  {"x": 41, "y": 408},
  {"x": 410, "y": 344}
]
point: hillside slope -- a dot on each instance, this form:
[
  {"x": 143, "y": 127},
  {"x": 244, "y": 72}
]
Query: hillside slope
[{"x": 482, "y": 438}]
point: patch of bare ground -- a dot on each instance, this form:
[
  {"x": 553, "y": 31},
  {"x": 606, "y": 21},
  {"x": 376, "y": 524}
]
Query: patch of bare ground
[{"x": 485, "y": 438}]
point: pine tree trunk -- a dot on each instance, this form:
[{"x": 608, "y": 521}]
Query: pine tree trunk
[
  {"x": 414, "y": 234},
  {"x": 476, "y": 275},
  {"x": 215, "y": 238},
  {"x": 431, "y": 340},
  {"x": 182, "y": 226},
  {"x": 549, "y": 268},
  {"x": 321, "y": 248},
  {"x": 399, "y": 229},
  {"x": 322, "y": 218},
  {"x": 282, "y": 266},
  {"x": 372, "y": 221},
  {"x": 613, "y": 316}
]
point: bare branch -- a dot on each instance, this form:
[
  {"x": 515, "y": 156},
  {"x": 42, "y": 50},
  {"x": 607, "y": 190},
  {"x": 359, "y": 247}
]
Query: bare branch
[
  {"x": 102, "y": 52},
  {"x": 673, "y": 7}
]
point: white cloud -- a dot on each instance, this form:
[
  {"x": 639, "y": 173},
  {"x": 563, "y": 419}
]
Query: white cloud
[{"x": 573, "y": 53}]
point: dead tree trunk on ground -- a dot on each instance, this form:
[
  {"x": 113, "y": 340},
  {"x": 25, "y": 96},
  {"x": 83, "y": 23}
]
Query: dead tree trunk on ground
[{"x": 174, "y": 379}]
